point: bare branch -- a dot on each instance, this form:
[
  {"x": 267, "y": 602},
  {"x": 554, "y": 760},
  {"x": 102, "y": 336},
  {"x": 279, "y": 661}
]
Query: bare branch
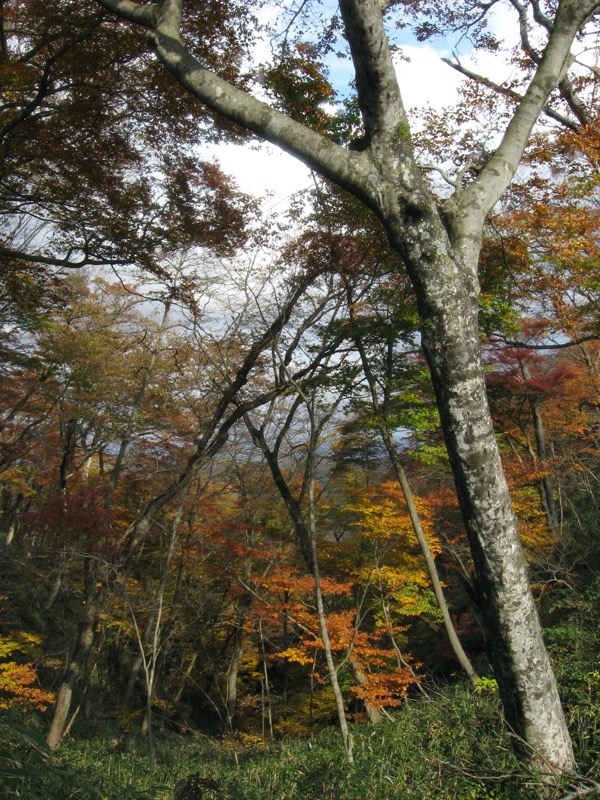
[
  {"x": 433, "y": 168},
  {"x": 565, "y": 86},
  {"x": 547, "y": 346},
  {"x": 510, "y": 93},
  {"x": 65, "y": 263},
  {"x": 499, "y": 171}
]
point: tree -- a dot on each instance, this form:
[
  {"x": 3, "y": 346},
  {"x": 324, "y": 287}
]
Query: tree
[
  {"x": 78, "y": 142},
  {"x": 440, "y": 245},
  {"x": 227, "y": 364}
]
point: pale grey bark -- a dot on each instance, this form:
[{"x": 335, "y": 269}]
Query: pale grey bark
[
  {"x": 64, "y": 696},
  {"x": 235, "y": 660},
  {"x": 441, "y": 252},
  {"x": 324, "y": 630},
  {"x": 150, "y": 645}
]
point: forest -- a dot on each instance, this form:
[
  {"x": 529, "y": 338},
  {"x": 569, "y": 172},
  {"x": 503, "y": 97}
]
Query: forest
[{"x": 299, "y": 501}]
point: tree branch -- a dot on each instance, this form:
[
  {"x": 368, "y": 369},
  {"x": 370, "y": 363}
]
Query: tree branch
[
  {"x": 510, "y": 93},
  {"x": 376, "y": 83},
  {"x": 133, "y": 12},
  {"x": 479, "y": 197},
  {"x": 349, "y": 169},
  {"x": 65, "y": 263},
  {"x": 565, "y": 86},
  {"x": 554, "y": 346}
]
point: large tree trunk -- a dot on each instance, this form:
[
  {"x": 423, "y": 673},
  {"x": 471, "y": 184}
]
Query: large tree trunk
[
  {"x": 441, "y": 254},
  {"x": 448, "y": 293},
  {"x": 513, "y": 633}
]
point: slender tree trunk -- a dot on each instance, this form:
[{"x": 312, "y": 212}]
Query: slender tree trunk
[
  {"x": 138, "y": 662},
  {"x": 331, "y": 668},
  {"x": 150, "y": 663},
  {"x": 546, "y": 493},
  {"x": 402, "y": 478},
  {"x": 374, "y": 715},
  {"x": 434, "y": 577},
  {"x": 10, "y": 515},
  {"x": 69, "y": 443},
  {"x": 308, "y": 542},
  {"x": 265, "y": 683},
  {"x": 235, "y": 661},
  {"x": 185, "y": 674}
]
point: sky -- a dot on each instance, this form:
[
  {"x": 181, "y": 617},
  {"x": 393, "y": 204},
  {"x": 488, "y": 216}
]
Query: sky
[
  {"x": 266, "y": 170},
  {"x": 424, "y": 79}
]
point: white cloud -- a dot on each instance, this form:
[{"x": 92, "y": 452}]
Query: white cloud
[
  {"x": 264, "y": 171},
  {"x": 424, "y": 78}
]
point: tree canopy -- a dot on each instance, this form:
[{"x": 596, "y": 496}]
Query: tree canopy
[{"x": 437, "y": 289}]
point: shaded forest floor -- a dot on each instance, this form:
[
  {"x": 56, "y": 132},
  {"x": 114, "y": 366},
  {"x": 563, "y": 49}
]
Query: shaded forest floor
[{"x": 451, "y": 745}]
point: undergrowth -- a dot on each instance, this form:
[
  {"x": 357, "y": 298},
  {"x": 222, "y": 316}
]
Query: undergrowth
[{"x": 451, "y": 746}]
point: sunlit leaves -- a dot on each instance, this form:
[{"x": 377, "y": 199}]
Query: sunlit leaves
[{"x": 18, "y": 678}]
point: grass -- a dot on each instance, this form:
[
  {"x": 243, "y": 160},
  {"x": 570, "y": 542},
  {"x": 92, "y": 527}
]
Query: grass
[{"x": 450, "y": 747}]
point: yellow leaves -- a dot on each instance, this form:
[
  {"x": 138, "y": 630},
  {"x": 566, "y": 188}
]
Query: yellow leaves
[
  {"x": 397, "y": 568},
  {"x": 17, "y": 679},
  {"x": 21, "y": 641},
  {"x": 16, "y": 480},
  {"x": 122, "y": 624},
  {"x": 240, "y": 741},
  {"x": 533, "y": 525},
  {"x": 382, "y": 514},
  {"x": 297, "y": 655},
  {"x": 392, "y": 578}
]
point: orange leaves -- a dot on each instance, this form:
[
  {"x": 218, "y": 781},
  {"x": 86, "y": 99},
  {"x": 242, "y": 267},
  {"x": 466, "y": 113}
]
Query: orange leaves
[
  {"x": 385, "y": 689},
  {"x": 17, "y": 677}
]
